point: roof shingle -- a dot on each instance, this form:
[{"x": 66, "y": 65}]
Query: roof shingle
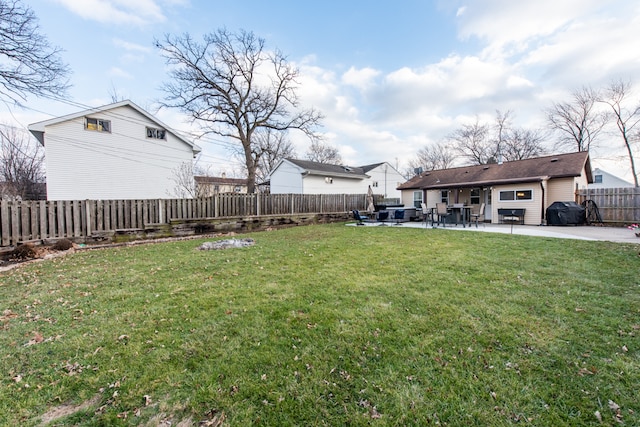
[{"x": 528, "y": 170}]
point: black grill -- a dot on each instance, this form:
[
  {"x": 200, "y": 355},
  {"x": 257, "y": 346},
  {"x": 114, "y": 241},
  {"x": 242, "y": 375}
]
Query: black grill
[{"x": 565, "y": 213}]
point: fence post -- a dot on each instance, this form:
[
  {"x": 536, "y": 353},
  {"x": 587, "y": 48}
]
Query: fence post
[
  {"x": 160, "y": 212},
  {"x": 4, "y": 225},
  {"x": 87, "y": 212},
  {"x": 42, "y": 207}
]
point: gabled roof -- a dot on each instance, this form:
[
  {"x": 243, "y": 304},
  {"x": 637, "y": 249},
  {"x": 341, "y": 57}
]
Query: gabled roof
[
  {"x": 315, "y": 168},
  {"x": 367, "y": 168},
  {"x": 38, "y": 129},
  {"x": 528, "y": 170}
]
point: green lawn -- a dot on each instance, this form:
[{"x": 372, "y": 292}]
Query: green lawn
[{"x": 327, "y": 325}]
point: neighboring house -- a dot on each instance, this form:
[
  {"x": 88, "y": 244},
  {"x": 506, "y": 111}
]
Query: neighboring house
[
  {"x": 603, "y": 179},
  {"x": 305, "y": 177},
  {"x": 118, "y": 151},
  {"x": 211, "y": 185},
  {"x": 531, "y": 184}
]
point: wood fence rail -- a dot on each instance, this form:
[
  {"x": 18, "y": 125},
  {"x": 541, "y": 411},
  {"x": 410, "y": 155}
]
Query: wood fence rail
[
  {"x": 616, "y": 205},
  {"x": 23, "y": 221}
]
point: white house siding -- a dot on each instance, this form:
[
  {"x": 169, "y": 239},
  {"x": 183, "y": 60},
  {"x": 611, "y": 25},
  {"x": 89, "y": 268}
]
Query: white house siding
[
  {"x": 318, "y": 184},
  {"x": 286, "y": 179},
  {"x": 385, "y": 181},
  {"x": 532, "y": 214},
  {"x": 608, "y": 180},
  {"x": 121, "y": 164}
]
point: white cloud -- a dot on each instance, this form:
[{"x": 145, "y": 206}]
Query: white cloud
[
  {"x": 131, "y": 47},
  {"x": 135, "y": 12},
  {"x": 362, "y": 78}
]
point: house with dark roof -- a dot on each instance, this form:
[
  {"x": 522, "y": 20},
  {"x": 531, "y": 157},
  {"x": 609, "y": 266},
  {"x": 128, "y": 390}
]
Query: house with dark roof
[
  {"x": 306, "y": 177},
  {"x": 530, "y": 184}
]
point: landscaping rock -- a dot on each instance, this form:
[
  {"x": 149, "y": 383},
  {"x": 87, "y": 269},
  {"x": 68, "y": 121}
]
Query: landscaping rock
[{"x": 226, "y": 244}]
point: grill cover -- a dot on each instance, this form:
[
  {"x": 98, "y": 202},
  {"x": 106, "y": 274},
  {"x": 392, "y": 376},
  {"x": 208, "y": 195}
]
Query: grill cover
[{"x": 565, "y": 213}]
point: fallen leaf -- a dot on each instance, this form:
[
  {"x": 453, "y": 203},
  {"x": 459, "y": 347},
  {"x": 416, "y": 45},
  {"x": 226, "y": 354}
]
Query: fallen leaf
[
  {"x": 614, "y": 406},
  {"x": 624, "y": 348},
  {"x": 598, "y": 416},
  {"x": 37, "y": 339}
]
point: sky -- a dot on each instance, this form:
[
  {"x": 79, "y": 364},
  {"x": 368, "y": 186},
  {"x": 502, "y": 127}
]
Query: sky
[{"x": 389, "y": 77}]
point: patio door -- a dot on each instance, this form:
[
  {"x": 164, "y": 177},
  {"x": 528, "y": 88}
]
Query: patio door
[{"x": 487, "y": 203}]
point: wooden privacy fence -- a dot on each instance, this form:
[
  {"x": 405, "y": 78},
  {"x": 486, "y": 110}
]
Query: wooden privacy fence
[
  {"x": 22, "y": 221},
  {"x": 616, "y": 205}
]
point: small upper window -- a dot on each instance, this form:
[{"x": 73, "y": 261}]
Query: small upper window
[
  {"x": 598, "y": 179},
  {"x": 99, "y": 125},
  {"x": 156, "y": 133}
]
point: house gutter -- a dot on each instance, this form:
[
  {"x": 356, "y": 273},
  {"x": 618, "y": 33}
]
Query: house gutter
[
  {"x": 471, "y": 184},
  {"x": 543, "y": 202}
]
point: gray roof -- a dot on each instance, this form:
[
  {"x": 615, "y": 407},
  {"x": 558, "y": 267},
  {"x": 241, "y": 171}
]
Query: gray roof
[{"x": 315, "y": 168}]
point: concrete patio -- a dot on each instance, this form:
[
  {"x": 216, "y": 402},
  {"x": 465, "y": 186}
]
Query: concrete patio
[{"x": 602, "y": 233}]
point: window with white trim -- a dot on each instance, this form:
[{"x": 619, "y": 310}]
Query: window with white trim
[
  {"x": 417, "y": 199},
  {"x": 99, "y": 125},
  {"x": 507, "y": 195}
]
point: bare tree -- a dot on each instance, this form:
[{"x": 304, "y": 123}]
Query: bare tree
[
  {"x": 232, "y": 87},
  {"x": 577, "y": 122},
  {"x": 432, "y": 157},
  {"x": 273, "y": 146},
  {"x": 502, "y": 127},
  {"x": 472, "y": 142},
  {"x": 21, "y": 165},
  {"x": 185, "y": 183},
  {"x": 520, "y": 143},
  {"x": 626, "y": 118},
  {"x": 28, "y": 63},
  {"x": 323, "y": 153}
]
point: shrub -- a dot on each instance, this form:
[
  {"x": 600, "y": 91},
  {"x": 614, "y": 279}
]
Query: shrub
[
  {"x": 23, "y": 252},
  {"x": 62, "y": 245}
]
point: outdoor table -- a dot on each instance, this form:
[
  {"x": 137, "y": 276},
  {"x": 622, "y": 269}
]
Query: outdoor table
[{"x": 461, "y": 212}]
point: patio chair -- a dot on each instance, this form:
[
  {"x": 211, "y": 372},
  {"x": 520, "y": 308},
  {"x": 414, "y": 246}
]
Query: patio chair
[
  {"x": 443, "y": 213},
  {"x": 382, "y": 217},
  {"x": 426, "y": 214},
  {"x": 477, "y": 217},
  {"x": 398, "y": 216},
  {"x": 358, "y": 217}
]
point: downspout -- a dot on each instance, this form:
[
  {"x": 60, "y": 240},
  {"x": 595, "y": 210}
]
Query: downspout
[{"x": 542, "y": 219}]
